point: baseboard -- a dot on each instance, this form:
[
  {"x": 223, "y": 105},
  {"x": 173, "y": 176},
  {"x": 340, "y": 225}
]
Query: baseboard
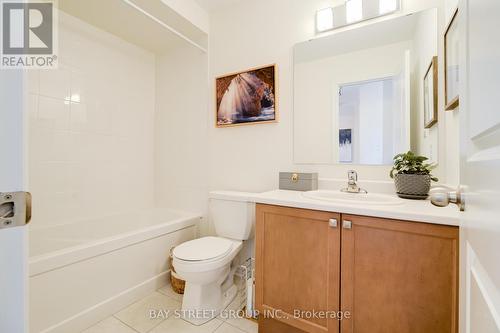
[{"x": 106, "y": 308}]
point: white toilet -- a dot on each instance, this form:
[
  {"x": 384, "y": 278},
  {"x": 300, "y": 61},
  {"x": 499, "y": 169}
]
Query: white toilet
[{"x": 205, "y": 263}]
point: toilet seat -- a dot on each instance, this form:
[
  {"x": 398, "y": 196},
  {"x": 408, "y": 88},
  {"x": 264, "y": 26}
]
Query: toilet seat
[
  {"x": 219, "y": 259},
  {"x": 203, "y": 249}
]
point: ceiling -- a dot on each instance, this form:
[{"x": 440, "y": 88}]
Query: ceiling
[
  {"x": 132, "y": 25},
  {"x": 210, "y": 5}
]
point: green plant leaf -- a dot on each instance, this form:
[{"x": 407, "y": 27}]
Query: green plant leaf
[{"x": 410, "y": 163}]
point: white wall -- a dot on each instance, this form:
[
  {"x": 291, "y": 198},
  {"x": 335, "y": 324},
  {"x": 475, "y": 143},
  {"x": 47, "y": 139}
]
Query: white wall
[
  {"x": 91, "y": 128},
  {"x": 181, "y": 151},
  {"x": 425, "y": 141},
  {"x": 260, "y": 32}
]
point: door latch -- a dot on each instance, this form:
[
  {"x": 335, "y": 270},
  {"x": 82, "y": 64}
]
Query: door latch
[{"x": 15, "y": 209}]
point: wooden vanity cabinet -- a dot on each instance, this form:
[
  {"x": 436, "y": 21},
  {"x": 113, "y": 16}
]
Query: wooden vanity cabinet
[
  {"x": 389, "y": 275},
  {"x": 297, "y": 268},
  {"x": 399, "y": 276}
]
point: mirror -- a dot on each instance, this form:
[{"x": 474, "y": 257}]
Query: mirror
[{"x": 359, "y": 93}]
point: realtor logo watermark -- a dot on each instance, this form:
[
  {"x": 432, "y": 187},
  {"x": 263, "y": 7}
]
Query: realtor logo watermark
[{"x": 29, "y": 35}]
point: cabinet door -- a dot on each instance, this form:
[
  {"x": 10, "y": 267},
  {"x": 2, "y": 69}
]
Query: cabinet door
[
  {"x": 398, "y": 276},
  {"x": 297, "y": 267}
]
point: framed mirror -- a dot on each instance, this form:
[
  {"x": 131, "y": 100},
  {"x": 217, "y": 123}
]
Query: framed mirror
[{"x": 357, "y": 93}]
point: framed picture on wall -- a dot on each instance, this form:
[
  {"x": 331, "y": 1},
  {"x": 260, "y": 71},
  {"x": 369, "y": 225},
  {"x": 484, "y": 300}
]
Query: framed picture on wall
[
  {"x": 247, "y": 97},
  {"x": 451, "y": 64},
  {"x": 431, "y": 94}
]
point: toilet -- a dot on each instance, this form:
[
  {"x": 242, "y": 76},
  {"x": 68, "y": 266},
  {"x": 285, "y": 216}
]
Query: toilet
[{"x": 206, "y": 263}]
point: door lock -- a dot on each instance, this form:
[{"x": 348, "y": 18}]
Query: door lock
[{"x": 15, "y": 209}]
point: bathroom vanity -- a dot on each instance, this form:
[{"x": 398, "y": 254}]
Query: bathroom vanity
[
  {"x": 383, "y": 264},
  {"x": 383, "y": 268}
]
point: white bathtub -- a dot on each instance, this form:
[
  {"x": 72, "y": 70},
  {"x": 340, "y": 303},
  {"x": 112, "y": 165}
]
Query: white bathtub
[{"x": 83, "y": 272}]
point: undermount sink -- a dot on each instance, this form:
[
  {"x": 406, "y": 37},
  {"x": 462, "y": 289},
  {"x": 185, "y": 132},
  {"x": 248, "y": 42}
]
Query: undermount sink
[{"x": 353, "y": 198}]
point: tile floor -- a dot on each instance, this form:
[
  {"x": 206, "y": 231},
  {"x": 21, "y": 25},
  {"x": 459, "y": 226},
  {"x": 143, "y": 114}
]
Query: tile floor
[{"x": 135, "y": 318}]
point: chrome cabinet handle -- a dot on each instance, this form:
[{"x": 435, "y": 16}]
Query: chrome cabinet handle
[
  {"x": 332, "y": 223},
  {"x": 347, "y": 224}
]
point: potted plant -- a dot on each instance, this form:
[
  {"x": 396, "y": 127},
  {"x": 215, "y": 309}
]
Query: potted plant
[{"x": 412, "y": 176}]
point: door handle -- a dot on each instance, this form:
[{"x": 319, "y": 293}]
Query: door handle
[
  {"x": 333, "y": 223},
  {"x": 15, "y": 209},
  {"x": 443, "y": 198}
]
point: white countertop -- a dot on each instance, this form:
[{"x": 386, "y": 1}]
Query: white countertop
[{"x": 409, "y": 210}]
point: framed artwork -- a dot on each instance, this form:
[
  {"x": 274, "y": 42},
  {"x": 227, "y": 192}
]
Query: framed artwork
[
  {"x": 431, "y": 94},
  {"x": 451, "y": 64},
  {"x": 345, "y": 145},
  {"x": 247, "y": 97}
]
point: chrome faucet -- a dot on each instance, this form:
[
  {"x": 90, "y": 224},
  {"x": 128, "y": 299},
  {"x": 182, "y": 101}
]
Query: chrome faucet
[{"x": 352, "y": 186}]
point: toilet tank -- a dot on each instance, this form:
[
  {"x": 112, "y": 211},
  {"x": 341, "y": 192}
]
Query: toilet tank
[{"x": 232, "y": 214}]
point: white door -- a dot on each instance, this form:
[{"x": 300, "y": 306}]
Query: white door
[
  {"x": 480, "y": 164},
  {"x": 13, "y": 244}
]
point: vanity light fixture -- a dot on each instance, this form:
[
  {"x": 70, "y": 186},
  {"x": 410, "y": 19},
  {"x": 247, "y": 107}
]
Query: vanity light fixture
[
  {"x": 324, "y": 19},
  {"x": 354, "y": 10},
  {"x": 388, "y": 6}
]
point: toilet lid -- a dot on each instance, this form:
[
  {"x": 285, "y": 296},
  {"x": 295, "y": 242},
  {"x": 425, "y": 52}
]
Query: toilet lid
[{"x": 205, "y": 248}]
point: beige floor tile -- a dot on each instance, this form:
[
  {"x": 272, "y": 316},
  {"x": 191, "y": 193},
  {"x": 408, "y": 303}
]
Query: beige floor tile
[
  {"x": 167, "y": 290},
  {"x": 110, "y": 325},
  {"x": 237, "y": 303},
  {"x": 243, "y": 324},
  {"x": 176, "y": 325},
  {"x": 138, "y": 317},
  {"x": 226, "y": 328},
  {"x": 233, "y": 308}
]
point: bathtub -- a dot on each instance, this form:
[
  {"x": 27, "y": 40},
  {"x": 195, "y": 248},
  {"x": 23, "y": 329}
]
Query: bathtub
[{"x": 82, "y": 272}]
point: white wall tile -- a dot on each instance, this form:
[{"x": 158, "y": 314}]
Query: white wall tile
[
  {"x": 52, "y": 113},
  {"x": 55, "y": 82},
  {"x": 91, "y": 128}
]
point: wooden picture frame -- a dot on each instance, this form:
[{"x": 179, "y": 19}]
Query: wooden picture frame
[
  {"x": 430, "y": 85},
  {"x": 248, "y": 97},
  {"x": 451, "y": 66}
]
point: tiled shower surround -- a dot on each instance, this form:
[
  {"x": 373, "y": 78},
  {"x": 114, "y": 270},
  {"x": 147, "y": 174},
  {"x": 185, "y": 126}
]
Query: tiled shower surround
[{"x": 91, "y": 128}]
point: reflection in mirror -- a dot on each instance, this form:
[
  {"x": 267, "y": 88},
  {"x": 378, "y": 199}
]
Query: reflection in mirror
[
  {"x": 370, "y": 114},
  {"x": 359, "y": 93}
]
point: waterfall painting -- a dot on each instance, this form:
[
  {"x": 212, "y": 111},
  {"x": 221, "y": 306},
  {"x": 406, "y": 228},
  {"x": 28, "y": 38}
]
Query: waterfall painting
[{"x": 246, "y": 97}]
